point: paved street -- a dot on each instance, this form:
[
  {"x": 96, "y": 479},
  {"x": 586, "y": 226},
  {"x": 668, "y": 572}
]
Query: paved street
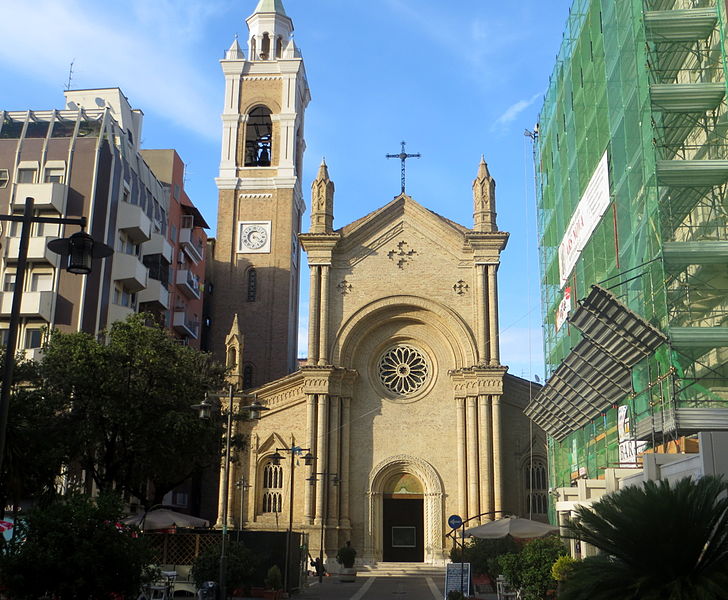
[{"x": 408, "y": 587}]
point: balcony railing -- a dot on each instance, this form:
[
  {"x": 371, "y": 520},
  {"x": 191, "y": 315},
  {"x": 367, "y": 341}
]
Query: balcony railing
[
  {"x": 185, "y": 325},
  {"x": 189, "y": 283}
]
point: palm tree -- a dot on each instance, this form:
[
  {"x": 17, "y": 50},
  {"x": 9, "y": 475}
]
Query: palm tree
[{"x": 659, "y": 541}]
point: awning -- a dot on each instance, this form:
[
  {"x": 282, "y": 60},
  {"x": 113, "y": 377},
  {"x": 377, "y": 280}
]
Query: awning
[{"x": 597, "y": 372}]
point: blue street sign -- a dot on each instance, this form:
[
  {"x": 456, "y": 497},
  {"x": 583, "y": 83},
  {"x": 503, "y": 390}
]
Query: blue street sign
[{"x": 455, "y": 521}]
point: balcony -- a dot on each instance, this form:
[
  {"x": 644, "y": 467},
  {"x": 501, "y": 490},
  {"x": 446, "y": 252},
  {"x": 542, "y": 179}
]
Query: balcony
[
  {"x": 188, "y": 283},
  {"x": 158, "y": 244},
  {"x": 34, "y": 304},
  {"x": 189, "y": 245},
  {"x": 185, "y": 325},
  {"x": 154, "y": 293},
  {"x": 118, "y": 313},
  {"x": 132, "y": 221},
  {"x": 37, "y": 250},
  {"x": 47, "y": 196},
  {"x": 129, "y": 271}
]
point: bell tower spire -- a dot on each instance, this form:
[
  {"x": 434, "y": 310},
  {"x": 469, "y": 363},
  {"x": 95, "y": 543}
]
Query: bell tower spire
[
  {"x": 322, "y": 202},
  {"x": 484, "y": 200},
  {"x": 256, "y": 254},
  {"x": 270, "y": 30}
]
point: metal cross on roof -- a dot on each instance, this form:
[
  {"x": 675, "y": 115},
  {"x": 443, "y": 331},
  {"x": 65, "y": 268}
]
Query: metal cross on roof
[{"x": 403, "y": 156}]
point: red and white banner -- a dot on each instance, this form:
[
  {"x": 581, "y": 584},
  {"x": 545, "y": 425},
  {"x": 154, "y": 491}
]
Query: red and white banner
[{"x": 592, "y": 206}]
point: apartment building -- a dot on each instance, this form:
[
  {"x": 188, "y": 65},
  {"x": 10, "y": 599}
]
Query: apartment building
[
  {"x": 85, "y": 160},
  {"x": 632, "y": 166}
]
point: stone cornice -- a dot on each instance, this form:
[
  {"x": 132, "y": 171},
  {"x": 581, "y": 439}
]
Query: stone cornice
[
  {"x": 474, "y": 381},
  {"x": 330, "y": 380},
  {"x": 319, "y": 246}
]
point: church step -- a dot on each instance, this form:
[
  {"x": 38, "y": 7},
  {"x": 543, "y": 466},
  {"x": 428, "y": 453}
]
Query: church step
[{"x": 394, "y": 569}]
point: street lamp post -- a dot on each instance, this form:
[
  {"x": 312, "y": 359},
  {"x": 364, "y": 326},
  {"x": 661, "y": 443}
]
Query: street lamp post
[
  {"x": 276, "y": 459},
  {"x": 80, "y": 248},
  {"x": 205, "y": 412},
  {"x": 335, "y": 480}
]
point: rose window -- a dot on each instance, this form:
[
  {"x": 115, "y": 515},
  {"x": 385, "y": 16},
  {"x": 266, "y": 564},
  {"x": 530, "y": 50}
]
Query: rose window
[{"x": 403, "y": 370}]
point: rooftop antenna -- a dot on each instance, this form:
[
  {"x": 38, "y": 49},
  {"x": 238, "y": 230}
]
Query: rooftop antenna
[{"x": 70, "y": 75}]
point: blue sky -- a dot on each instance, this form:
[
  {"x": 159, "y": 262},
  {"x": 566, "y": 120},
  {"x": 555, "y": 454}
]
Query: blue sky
[{"x": 453, "y": 79}]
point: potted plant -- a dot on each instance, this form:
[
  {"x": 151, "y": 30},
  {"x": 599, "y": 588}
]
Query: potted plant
[
  {"x": 346, "y": 557},
  {"x": 273, "y": 583}
]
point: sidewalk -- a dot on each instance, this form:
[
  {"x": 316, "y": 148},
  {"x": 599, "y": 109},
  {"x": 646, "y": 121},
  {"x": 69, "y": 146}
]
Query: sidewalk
[{"x": 372, "y": 587}]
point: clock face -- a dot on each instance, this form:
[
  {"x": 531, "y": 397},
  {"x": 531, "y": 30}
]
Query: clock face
[{"x": 254, "y": 236}]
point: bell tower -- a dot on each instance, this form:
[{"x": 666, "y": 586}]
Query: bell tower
[{"x": 256, "y": 252}]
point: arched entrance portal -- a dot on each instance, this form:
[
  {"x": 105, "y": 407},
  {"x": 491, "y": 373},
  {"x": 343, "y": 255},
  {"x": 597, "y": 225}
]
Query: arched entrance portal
[
  {"x": 405, "y": 522},
  {"x": 403, "y": 519}
]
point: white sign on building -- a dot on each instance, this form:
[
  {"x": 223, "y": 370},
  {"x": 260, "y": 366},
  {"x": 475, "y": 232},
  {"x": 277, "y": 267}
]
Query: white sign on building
[
  {"x": 564, "y": 307},
  {"x": 592, "y": 206},
  {"x": 628, "y": 447}
]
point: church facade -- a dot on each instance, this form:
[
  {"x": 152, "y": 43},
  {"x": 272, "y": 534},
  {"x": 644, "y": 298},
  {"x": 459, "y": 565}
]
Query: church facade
[{"x": 403, "y": 404}]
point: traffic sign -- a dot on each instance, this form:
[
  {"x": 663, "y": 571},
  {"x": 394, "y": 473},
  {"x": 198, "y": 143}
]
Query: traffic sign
[{"x": 455, "y": 521}]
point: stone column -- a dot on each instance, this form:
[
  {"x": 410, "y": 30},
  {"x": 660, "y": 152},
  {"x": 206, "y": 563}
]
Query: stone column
[
  {"x": 221, "y": 494},
  {"x": 345, "y": 467},
  {"x": 494, "y": 358},
  {"x": 462, "y": 458},
  {"x": 321, "y": 453},
  {"x": 323, "y": 358},
  {"x": 485, "y": 442},
  {"x": 471, "y": 420},
  {"x": 313, "y": 316},
  {"x": 311, "y": 423},
  {"x": 335, "y": 437},
  {"x": 481, "y": 301},
  {"x": 497, "y": 456}
]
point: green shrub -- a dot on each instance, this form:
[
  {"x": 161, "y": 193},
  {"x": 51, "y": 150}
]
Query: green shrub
[
  {"x": 274, "y": 579},
  {"x": 562, "y": 568},
  {"x": 240, "y": 568},
  {"x": 530, "y": 569}
]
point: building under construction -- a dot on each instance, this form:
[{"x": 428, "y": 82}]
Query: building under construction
[{"x": 632, "y": 168}]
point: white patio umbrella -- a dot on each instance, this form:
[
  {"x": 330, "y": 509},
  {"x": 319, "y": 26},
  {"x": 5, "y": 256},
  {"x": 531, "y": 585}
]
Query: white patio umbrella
[
  {"x": 515, "y": 526},
  {"x": 163, "y": 518}
]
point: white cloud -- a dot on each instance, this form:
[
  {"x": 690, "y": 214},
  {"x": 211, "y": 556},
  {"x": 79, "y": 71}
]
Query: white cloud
[
  {"x": 140, "y": 51},
  {"x": 513, "y": 111}
]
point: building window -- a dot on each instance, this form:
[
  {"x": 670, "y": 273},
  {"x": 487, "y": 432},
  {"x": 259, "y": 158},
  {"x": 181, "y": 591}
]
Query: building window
[
  {"x": 33, "y": 338},
  {"x": 123, "y": 297},
  {"x": 26, "y": 175},
  {"x": 536, "y": 483},
  {"x": 258, "y": 138},
  {"x": 41, "y": 282},
  {"x": 54, "y": 175},
  {"x": 9, "y": 282},
  {"x": 252, "y": 285},
  {"x": 272, "y": 499},
  {"x": 247, "y": 377},
  {"x": 126, "y": 246},
  {"x": 4, "y": 178},
  {"x": 403, "y": 370}
]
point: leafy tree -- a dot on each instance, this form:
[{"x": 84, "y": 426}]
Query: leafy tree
[
  {"x": 128, "y": 398},
  {"x": 658, "y": 541},
  {"x": 74, "y": 548},
  {"x": 240, "y": 567},
  {"x": 530, "y": 569},
  {"x": 35, "y": 444},
  {"x": 482, "y": 554}
]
